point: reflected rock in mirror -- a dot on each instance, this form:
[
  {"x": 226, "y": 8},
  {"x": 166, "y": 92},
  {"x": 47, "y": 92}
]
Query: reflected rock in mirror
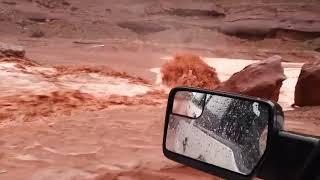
[
  {"x": 188, "y": 104},
  {"x": 228, "y": 132}
]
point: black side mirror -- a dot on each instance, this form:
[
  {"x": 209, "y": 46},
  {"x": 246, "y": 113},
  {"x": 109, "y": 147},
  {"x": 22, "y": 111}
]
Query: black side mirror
[{"x": 224, "y": 134}]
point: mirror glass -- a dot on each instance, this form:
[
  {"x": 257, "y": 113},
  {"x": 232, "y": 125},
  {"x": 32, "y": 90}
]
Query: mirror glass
[{"x": 224, "y": 131}]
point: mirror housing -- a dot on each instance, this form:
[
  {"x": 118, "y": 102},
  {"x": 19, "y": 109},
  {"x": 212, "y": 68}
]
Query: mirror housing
[{"x": 274, "y": 125}]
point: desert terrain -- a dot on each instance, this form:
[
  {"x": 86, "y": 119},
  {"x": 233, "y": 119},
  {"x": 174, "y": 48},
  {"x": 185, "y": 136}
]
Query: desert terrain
[{"x": 85, "y": 101}]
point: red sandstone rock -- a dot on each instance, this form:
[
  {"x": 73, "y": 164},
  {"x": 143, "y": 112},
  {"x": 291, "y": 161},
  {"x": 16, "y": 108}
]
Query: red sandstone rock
[
  {"x": 307, "y": 92},
  {"x": 262, "y": 79}
]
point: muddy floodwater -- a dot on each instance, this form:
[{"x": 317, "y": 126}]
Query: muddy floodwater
[{"x": 87, "y": 101}]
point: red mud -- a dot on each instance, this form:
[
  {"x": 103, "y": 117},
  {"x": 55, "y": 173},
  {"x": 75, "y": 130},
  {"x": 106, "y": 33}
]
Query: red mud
[
  {"x": 131, "y": 137},
  {"x": 177, "y": 172},
  {"x": 75, "y": 69},
  {"x": 19, "y": 61},
  {"x": 103, "y": 70},
  {"x": 189, "y": 70},
  {"x": 30, "y": 106}
]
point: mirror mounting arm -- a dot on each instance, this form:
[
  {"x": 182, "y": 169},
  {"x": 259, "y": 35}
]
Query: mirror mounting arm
[{"x": 288, "y": 157}]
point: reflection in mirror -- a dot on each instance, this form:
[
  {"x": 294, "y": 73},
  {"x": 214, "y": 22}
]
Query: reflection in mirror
[
  {"x": 230, "y": 133},
  {"x": 188, "y": 104}
]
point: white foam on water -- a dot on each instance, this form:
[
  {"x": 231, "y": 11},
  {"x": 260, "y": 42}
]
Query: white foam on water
[
  {"x": 100, "y": 85},
  {"x": 14, "y": 80},
  {"x": 286, "y": 98},
  {"x": 158, "y": 81},
  {"x": 226, "y": 67},
  {"x": 44, "y": 70},
  {"x": 158, "y": 77},
  {"x": 18, "y": 80}
]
